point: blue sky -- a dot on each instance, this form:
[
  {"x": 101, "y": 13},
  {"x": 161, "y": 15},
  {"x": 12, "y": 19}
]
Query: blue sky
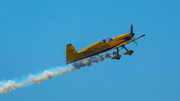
[{"x": 34, "y": 35}]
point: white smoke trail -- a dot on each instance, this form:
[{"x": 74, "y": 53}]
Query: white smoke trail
[{"x": 6, "y": 86}]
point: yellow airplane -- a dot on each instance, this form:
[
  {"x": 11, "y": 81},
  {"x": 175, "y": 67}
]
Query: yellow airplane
[{"x": 103, "y": 45}]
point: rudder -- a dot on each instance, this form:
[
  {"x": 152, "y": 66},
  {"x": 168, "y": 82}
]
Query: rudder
[{"x": 70, "y": 52}]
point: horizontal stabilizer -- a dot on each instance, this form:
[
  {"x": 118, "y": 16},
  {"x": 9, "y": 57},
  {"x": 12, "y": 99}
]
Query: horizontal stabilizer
[{"x": 116, "y": 57}]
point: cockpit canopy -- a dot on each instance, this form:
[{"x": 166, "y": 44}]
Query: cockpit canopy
[{"x": 105, "y": 39}]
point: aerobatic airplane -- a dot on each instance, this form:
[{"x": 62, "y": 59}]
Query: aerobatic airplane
[{"x": 103, "y": 45}]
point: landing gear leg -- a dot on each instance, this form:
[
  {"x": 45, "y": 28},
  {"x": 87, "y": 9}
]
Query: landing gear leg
[
  {"x": 124, "y": 48},
  {"x": 117, "y": 55},
  {"x": 117, "y": 52},
  {"x": 129, "y": 52}
]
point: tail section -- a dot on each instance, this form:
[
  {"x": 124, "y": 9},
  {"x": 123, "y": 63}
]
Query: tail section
[{"x": 70, "y": 53}]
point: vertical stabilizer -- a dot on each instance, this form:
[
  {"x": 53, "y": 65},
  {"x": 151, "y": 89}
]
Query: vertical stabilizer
[{"x": 70, "y": 53}]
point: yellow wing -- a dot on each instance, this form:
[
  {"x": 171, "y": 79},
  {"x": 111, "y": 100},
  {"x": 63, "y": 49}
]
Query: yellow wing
[{"x": 129, "y": 41}]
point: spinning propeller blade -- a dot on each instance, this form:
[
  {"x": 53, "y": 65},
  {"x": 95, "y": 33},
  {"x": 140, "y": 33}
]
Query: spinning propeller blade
[
  {"x": 131, "y": 29},
  {"x": 135, "y": 43},
  {"x": 133, "y": 34}
]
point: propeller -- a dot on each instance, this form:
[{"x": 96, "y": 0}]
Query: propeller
[
  {"x": 133, "y": 34},
  {"x": 135, "y": 43},
  {"x": 132, "y": 31}
]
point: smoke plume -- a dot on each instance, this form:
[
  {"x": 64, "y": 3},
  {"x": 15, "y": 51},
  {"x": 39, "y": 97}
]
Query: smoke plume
[{"x": 7, "y": 85}]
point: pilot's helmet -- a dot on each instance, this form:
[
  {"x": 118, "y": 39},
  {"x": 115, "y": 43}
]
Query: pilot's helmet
[
  {"x": 110, "y": 39},
  {"x": 104, "y": 40}
]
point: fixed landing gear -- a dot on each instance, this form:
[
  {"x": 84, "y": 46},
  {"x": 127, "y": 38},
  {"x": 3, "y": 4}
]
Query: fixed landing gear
[
  {"x": 124, "y": 48},
  {"x": 117, "y": 56},
  {"x": 117, "y": 51},
  {"x": 129, "y": 52}
]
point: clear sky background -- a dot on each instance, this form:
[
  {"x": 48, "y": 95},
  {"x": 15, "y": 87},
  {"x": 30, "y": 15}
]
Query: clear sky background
[{"x": 34, "y": 35}]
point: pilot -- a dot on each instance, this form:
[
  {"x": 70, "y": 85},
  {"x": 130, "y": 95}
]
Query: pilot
[
  {"x": 110, "y": 39},
  {"x": 104, "y": 40}
]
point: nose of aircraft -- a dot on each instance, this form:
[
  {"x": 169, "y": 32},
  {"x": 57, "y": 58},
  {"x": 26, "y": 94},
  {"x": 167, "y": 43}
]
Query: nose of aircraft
[{"x": 132, "y": 34}]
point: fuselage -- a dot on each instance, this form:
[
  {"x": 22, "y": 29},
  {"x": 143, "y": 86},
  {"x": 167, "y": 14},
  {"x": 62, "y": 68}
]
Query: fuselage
[{"x": 100, "y": 47}]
